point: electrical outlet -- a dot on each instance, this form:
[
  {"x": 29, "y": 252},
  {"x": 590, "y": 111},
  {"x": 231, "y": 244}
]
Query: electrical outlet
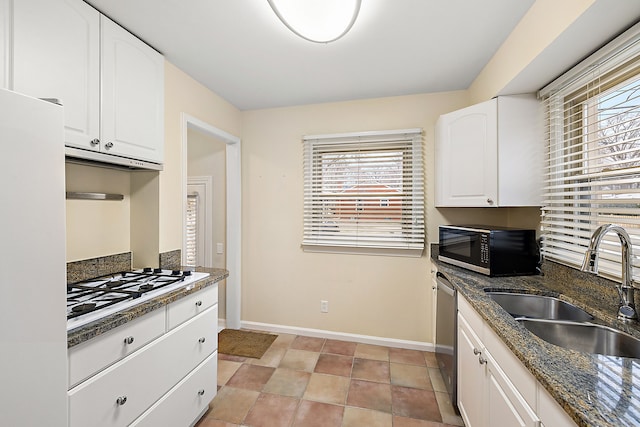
[
  {"x": 219, "y": 248},
  {"x": 324, "y": 306}
]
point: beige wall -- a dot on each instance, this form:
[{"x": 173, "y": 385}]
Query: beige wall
[
  {"x": 371, "y": 295},
  {"x": 97, "y": 227},
  {"x": 185, "y": 95}
]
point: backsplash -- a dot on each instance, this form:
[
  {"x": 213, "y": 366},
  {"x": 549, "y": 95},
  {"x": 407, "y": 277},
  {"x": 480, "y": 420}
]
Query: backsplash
[
  {"x": 95, "y": 267},
  {"x": 85, "y": 269},
  {"x": 171, "y": 260}
]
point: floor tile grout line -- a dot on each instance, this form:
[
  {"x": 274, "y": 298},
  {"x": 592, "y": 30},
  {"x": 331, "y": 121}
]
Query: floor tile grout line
[{"x": 350, "y": 378}]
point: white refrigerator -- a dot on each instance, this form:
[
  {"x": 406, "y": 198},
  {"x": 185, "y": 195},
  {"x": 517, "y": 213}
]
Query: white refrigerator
[{"x": 33, "y": 336}]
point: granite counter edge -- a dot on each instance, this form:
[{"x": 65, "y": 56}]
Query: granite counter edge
[{"x": 101, "y": 326}]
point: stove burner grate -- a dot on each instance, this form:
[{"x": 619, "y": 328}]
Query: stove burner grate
[{"x": 96, "y": 294}]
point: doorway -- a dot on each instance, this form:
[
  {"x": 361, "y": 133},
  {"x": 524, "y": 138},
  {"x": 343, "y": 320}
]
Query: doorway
[{"x": 209, "y": 147}]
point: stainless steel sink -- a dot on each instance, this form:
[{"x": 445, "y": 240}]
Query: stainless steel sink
[
  {"x": 584, "y": 337},
  {"x": 538, "y": 306}
]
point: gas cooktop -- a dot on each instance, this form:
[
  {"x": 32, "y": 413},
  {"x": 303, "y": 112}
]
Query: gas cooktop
[{"x": 94, "y": 299}]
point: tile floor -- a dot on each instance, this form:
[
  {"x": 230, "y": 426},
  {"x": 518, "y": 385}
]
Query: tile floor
[{"x": 307, "y": 382}]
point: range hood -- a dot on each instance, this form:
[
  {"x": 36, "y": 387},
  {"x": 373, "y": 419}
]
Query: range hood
[{"x": 95, "y": 158}]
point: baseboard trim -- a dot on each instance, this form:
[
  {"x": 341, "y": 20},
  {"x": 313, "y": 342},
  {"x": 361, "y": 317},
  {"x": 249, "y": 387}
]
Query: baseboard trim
[
  {"x": 344, "y": 336},
  {"x": 222, "y": 324}
]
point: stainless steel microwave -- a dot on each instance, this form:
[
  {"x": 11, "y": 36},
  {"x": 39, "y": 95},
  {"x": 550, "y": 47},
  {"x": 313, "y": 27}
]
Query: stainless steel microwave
[{"x": 489, "y": 250}]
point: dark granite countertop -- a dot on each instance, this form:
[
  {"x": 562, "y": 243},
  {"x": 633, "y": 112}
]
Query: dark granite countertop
[
  {"x": 595, "y": 390},
  {"x": 93, "y": 329}
]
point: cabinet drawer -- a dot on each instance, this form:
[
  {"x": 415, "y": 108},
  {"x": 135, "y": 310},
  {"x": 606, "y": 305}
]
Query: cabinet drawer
[
  {"x": 91, "y": 356},
  {"x": 185, "y": 401},
  {"x": 141, "y": 378},
  {"x": 187, "y": 307}
]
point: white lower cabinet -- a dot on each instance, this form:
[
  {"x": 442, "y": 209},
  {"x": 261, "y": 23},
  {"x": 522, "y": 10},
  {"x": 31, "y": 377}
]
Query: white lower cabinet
[
  {"x": 494, "y": 387},
  {"x": 174, "y": 375},
  {"x": 192, "y": 396}
]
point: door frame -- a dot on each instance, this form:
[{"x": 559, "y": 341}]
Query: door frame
[{"x": 234, "y": 198}]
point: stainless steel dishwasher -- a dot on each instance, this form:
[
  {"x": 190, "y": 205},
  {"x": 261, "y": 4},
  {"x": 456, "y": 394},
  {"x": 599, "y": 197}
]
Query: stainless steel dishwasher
[{"x": 446, "y": 335}]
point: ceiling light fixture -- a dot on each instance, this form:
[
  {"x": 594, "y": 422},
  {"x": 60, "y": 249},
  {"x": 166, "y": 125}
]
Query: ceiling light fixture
[{"x": 318, "y": 21}]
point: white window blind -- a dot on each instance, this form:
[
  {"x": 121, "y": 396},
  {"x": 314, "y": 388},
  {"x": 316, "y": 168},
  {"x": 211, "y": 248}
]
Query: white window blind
[
  {"x": 364, "y": 192},
  {"x": 191, "y": 255},
  {"x": 592, "y": 170}
]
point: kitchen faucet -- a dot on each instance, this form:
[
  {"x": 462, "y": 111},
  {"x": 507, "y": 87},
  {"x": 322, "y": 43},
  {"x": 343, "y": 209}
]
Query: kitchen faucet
[{"x": 627, "y": 311}]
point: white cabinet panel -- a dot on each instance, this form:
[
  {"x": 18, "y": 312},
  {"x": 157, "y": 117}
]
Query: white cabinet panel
[
  {"x": 192, "y": 396},
  {"x": 5, "y": 43},
  {"x": 33, "y": 351},
  {"x": 505, "y": 404},
  {"x": 185, "y": 308},
  {"x": 57, "y": 55},
  {"x": 550, "y": 412},
  {"x": 490, "y": 154},
  {"x": 467, "y": 148},
  {"x": 132, "y": 95},
  {"x": 470, "y": 376},
  {"x": 91, "y": 356}
]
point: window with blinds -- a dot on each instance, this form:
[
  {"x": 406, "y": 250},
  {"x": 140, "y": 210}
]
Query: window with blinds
[
  {"x": 191, "y": 244},
  {"x": 592, "y": 170},
  {"x": 364, "y": 193}
]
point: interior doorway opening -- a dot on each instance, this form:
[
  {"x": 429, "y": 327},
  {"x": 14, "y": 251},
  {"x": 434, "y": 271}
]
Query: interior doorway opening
[{"x": 231, "y": 195}]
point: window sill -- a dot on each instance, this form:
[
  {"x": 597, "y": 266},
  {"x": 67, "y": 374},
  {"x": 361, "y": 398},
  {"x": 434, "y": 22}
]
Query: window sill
[{"x": 398, "y": 252}]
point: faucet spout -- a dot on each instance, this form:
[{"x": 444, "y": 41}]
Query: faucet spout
[{"x": 627, "y": 310}]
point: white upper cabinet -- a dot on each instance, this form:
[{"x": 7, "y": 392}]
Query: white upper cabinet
[
  {"x": 489, "y": 154},
  {"x": 5, "y": 43},
  {"x": 110, "y": 83},
  {"x": 57, "y": 55},
  {"x": 132, "y": 95}
]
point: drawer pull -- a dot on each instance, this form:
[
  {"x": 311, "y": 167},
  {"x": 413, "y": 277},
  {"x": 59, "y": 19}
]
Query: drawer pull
[
  {"x": 198, "y": 303},
  {"x": 128, "y": 340},
  {"x": 476, "y": 351},
  {"x": 201, "y": 340},
  {"x": 108, "y": 145},
  {"x": 201, "y": 392},
  {"x": 121, "y": 400},
  {"x": 94, "y": 142},
  {"x": 482, "y": 360}
]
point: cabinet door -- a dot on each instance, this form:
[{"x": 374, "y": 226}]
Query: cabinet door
[
  {"x": 132, "y": 96},
  {"x": 470, "y": 376},
  {"x": 505, "y": 405},
  {"x": 5, "y": 43},
  {"x": 57, "y": 55},
  {"x": 467, "y": 157}
]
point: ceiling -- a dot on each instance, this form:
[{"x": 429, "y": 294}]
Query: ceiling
[{"x": 242, "y": 52}]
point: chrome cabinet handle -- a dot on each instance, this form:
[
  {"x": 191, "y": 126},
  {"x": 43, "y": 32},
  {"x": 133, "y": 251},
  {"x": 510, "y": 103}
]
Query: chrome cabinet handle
[
  {"x": 201, "y": 392},
  {"x": 476, "y": 351},
  {"x": 490, "y": 201},
  {"x": 94, "y": 142},
  {"x": 121, "y": 400},
  {"x": 128, "y": 340},
  {"x": 198, "y": 303},
  {"x": 201, "y": 340},
  {"x": 108, "y": 145},
  {"x": 482, "y": 360}
]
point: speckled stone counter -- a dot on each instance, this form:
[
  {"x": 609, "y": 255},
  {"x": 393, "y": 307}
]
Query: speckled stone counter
[
  {"x": 101, "y": 326},
  {"x": 595, "y": 390}
]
